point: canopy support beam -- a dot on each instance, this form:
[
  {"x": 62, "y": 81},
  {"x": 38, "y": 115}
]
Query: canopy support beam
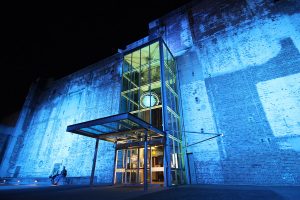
[
  {"x": 145, "y": 161},
  {"x": 94, "y": 162}
]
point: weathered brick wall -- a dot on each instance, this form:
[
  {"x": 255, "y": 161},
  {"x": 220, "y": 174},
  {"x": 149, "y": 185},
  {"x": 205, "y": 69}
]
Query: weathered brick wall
[
  {"x": 239, "y": 67},
  {"x": 85, "y": 95},
  {"x": 5, "y": 135}
]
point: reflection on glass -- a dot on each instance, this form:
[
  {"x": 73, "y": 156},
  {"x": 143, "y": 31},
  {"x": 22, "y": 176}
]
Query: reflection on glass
[
  {"x": 141, "y": 95},
  {"x": 141, "y": 89},
  {"x": 130, "y": 165}
]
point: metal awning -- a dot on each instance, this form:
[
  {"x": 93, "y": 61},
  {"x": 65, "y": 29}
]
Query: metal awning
[{"x": 116, "y": 128}]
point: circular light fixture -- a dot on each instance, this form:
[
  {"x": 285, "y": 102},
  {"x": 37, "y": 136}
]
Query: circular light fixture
[{"x": 149, "y": 99}]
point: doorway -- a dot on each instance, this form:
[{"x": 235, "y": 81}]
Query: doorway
[{"x": 130, "y": 165}]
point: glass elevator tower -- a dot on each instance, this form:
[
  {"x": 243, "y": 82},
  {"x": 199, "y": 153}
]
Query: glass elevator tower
[{"x": 150, "y": 92}]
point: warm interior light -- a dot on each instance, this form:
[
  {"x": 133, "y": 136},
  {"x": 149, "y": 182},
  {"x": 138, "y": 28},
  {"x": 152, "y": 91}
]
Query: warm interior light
[{"x": 153, "y": 152}]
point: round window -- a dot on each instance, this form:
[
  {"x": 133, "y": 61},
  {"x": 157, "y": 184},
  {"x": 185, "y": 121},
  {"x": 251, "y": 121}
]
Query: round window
[{"x": 149, "y": 99}]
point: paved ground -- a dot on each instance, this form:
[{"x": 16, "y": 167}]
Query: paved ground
[{"x": 190, "y": 192}]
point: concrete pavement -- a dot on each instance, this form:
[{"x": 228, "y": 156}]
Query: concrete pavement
[{"x": 188, "y": 192}]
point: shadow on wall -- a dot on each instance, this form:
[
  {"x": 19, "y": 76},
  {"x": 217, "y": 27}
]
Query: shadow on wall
[{"x": 254, "y": 155}]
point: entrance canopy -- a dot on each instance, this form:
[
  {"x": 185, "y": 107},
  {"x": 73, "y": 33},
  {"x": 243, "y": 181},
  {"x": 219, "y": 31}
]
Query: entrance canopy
[{"x": 116, "y": 128}]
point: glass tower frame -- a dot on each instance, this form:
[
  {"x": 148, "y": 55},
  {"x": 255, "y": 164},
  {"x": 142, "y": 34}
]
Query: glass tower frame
[{"x": 150, "y": 92}]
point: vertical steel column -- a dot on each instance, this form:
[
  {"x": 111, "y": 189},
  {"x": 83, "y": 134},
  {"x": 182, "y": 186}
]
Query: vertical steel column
[
  {"x": 94, "y": 162},
  {"x": 123, "y": 165},
  {"x": 139, "y": 85},
  {"x": 125, "y": 171},
  {"x": 138, "y": 169},
  {"x": 149, "y": 81},
  {"x": 167, "y": 165},
  {"x": 145, "y": 161},
  {"x": 150, "y": 161},
  {"x": 130, "y": 170},
  {"x": 115, "y": 164}
]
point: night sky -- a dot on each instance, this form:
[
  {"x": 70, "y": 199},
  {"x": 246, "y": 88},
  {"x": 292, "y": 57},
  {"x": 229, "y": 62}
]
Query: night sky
[{"x": 53, "y": 40}]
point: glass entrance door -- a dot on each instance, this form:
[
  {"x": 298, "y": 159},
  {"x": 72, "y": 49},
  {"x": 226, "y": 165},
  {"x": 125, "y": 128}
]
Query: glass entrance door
[{"x": 130, "y": 166}]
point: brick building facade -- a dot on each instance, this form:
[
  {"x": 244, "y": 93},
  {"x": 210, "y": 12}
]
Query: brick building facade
[{"x": 239, "y": 72}]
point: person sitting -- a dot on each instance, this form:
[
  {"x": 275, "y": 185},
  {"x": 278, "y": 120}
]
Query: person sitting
[
  {"x": 64, "y": 172},
  {"x": 55, "y": 178}
]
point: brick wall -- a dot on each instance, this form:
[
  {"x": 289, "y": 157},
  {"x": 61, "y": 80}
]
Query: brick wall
[
  {"x": 239, "y": 67},
  {"x": 43, "y": 143},
  {"x": 239, "y": 70}
]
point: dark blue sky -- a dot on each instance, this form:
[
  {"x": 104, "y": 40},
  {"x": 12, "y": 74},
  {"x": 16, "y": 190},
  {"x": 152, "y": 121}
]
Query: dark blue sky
[{"x": 53, "y": 40}]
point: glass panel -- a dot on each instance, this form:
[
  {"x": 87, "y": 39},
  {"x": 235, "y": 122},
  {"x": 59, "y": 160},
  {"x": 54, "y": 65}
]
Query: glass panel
[
  {"x": 173, "y": 116},
  {"x": 157, "y": 156},
  {"x": 141, "y": 96},
  {"x": 135, "y": 61},
  {"x": 141, "y": 85},
  {"x": 144, "y": 57},
  {"x": 97, "y": 132},
  {"x": 128, "y": 123},
  {"x": 130, "y": 165}
]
